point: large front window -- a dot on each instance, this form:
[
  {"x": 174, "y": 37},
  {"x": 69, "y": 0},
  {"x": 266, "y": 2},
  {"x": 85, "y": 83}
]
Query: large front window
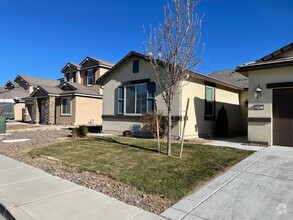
[
  {"x": 136, "y": 99},
  {"x": 66, "y": 106}
]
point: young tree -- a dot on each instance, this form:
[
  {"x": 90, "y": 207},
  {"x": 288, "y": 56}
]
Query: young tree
[{"x": 174, "y": 48}]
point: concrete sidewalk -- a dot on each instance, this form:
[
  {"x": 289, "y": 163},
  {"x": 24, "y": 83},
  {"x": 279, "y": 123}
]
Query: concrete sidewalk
[
  {"x": 30, "y": 193},
  {"x": 259, "y": 187}
]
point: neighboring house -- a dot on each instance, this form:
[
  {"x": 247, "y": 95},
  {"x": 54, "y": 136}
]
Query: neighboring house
[
  {"x": 72, "y": 100},
  {"x": 2, "y": 89},
  {"x": 270, "y": 95},
  {"x": 235, "y": 78},
  {"x": 67, "y": 103},
  {"x": 17, "y": 94},
  {"x": 130, "y": 91},
  {"x": 86, "y": 72}
]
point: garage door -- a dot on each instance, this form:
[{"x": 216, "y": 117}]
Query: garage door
[{"x": 283, "y": 117}]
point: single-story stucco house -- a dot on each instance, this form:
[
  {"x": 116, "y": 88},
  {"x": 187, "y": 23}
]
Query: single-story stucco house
[
  {"x": 130, "y": 91},
  {"x": 270, "y": 108}
]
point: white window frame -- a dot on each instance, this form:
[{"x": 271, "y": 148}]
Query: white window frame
[
  {"x": 213, "y": 107},
  {"x": 135, "y": 99},
  {"x": 70, "y": 106}
]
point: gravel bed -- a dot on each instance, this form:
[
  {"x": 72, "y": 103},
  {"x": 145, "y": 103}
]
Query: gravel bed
[{"x": 123, "y": 192}]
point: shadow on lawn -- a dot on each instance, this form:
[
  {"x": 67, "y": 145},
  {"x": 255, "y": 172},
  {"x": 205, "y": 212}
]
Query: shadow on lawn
[{"x": 111, "y": 140}]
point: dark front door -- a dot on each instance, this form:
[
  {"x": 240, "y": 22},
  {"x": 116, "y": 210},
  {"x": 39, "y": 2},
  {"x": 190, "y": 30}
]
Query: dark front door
[{"x": 283, "y": 117}]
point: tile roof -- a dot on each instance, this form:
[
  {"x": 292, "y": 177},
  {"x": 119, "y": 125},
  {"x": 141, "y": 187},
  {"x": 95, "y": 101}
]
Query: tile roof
[
  {"x": 73, "y": 88},
  {"x": 272, "y": 60},
  {"x": 34, "y": 81},
  {"x": 14, "y": 93},
  {"x": 231, "y": 76},
  {"x": 101, "y": 80},
  {"x": 2, "y": 89}
]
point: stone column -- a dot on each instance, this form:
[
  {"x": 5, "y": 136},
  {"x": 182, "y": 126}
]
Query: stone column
[
  {"x": 50, "y": 110},
  {"x": 35, "y": 112}
]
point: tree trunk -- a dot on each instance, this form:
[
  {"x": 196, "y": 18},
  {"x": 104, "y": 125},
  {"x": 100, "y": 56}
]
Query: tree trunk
[{"x": 169, "y": 132}]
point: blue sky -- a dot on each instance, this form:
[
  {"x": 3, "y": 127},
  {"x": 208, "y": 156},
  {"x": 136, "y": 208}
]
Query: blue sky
[{"x": 38, "y": 37}]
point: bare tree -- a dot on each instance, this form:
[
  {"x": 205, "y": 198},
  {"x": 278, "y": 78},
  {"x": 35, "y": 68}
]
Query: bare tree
[{"x": 173, "y": 49}]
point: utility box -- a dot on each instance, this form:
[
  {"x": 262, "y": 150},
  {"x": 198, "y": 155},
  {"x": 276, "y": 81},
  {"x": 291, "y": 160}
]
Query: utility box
[
  {"x": 7, "y": 108},
  {"x": 2, "y": 125}
]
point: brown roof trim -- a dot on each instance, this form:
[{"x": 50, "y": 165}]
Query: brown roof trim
[
  {"x": 68, "y": 65},
  {"x": 276, "y": 53},
  {"x": 144, "y": 57},
  {"x": 260, "y": 66}
]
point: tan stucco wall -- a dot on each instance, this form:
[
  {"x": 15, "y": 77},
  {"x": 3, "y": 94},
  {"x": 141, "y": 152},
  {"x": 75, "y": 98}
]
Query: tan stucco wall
[
  {"x": 18, "y": 111},
  {"x": 196, "y": 125},
  {"x": 122, "y": 74},
  {"x": 64, "y": 119},
  {"x": 88, "y": 110},
  {"x": 262, "y": 131}
]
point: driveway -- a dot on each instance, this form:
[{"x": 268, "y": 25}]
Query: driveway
[{"x": 259, "y": 187}]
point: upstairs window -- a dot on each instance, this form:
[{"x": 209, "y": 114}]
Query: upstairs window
[
  {"x": 135, "y": 67},
  {"x": 136, "y": 99},
  {"x": 67, "y": 77},
  {"x": 210, "y": 103},
  {"x": 74, "y": 77},
  {"x": 90, "y": 77}
]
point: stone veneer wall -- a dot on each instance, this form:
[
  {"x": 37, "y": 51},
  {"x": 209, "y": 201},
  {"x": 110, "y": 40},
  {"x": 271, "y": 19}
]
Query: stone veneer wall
[
  {"x": 35, "y": 112},
  {"x": 50, "y": 110}
]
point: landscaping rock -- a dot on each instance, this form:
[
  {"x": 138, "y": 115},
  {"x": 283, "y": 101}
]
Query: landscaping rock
[{"x": 122, "y": 191}]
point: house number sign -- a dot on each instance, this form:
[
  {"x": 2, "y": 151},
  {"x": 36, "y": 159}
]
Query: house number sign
[{"x": 258, "y": 107}]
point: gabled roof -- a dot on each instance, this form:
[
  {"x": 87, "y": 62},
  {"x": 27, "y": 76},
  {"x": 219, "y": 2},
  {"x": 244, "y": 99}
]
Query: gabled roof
[
  {"x": 274, "y": 59},
  {"x": 71, "y": 66},
  {"x": 132, "y": 54},
  {"x": 17, "y": 93},
  {"x": 96, "y": 62},
  {"x": 71, "y": 89},
  {"x": 35, "y": 81},
  {"x": 14, "y": 84},
  {"x": 231, "y": 76}
]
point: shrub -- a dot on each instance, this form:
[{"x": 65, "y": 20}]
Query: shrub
[
  {"x": 127, "y": 133},
  {"x": 222, "y": 123},
  {"x": 149, "y": 121},
  {"x": 81, "y": 131}
]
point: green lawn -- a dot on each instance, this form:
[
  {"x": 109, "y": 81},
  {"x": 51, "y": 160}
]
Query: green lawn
[{"x": 136, "y": 162}]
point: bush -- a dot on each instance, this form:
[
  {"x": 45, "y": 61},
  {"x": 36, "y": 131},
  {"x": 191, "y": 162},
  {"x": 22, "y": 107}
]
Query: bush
[
  {"x": 81, "y": 131},
  {"x": 149, "y": 121},
  {"x": 222, "y": 123},
  {"x": 127, "y": 133}
]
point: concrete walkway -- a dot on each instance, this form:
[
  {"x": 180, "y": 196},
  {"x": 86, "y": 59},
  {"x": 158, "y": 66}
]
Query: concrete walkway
[
  {"x": 235, "y": 142},
  {"x": 29, "y": 193},
  {"x": 259, "y": 187}
]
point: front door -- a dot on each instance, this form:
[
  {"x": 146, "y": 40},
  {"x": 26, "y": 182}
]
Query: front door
[
  {"x": 43, "y": 114},
  {"x": 283, "y": 117}
]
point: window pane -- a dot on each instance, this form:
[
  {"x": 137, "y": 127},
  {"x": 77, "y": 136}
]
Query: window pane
[
  {"x": 141, "y": 98},
  {"x": 90, "y": 77},
  {"x": 209, "y": 94},
  {"x": 120, "y": 92},
  {"x": 120, "y": 107},
  {"x": 65, "y": 106},
  {"x": 130, "y": 99}
]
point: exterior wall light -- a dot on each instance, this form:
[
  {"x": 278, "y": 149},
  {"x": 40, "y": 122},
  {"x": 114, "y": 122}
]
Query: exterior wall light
[{"x": 258, "y": 92}]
